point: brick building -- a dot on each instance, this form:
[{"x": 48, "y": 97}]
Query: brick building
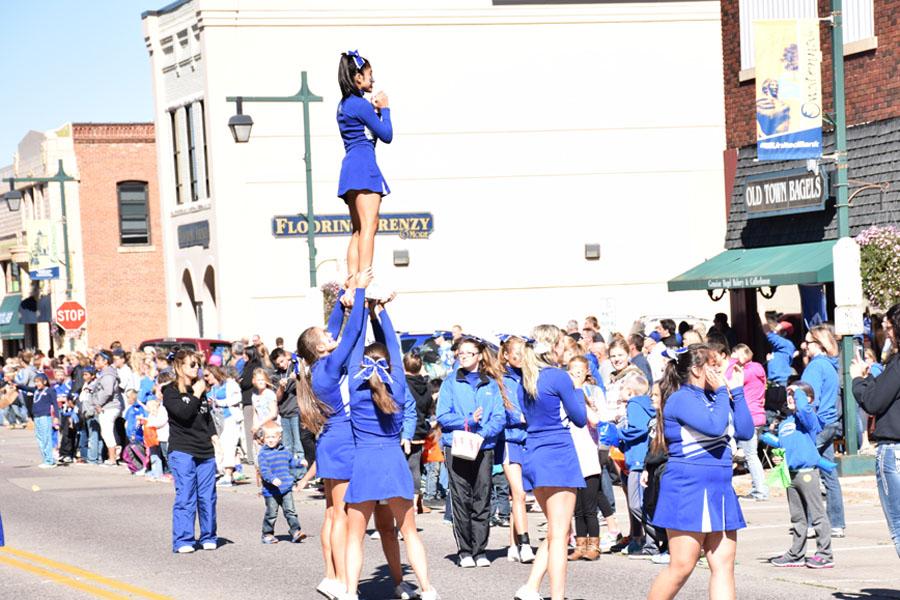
[
  {"x": 783, "y": 254},
  {"x": 115, "y": 245},
  {"x": 124, "y": 275}
]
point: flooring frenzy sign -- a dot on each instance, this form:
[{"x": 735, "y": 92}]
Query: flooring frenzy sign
[
  {"x": 785, "y": 192},
  {"x": 411, "y": 226}
]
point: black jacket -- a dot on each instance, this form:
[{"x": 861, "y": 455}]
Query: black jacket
[
  {"x": 881, "y": 398},
  {"x": 246, "y": 381},
  {"x": 421, "y": 392},
  {"x": 190, "y": 423}
]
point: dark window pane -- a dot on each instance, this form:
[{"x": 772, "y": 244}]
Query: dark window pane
[{"x": 134, "y": 221}]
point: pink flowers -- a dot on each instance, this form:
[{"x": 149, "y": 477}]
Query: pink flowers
[{"x": 880, "y": 264}]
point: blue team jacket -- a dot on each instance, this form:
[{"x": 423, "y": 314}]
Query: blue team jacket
[
  {"x": 778, "y": 368},
  {"x": 821, "y": 375},
  {"x": 458, "y": 399},
  {"x": 797, "y": 435},
  {"x": 634, "y": 437},
  {"x": 515, "y": 425}
]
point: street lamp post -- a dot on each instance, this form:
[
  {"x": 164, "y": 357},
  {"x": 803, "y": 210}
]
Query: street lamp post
[
  {"x": 14, "y": 200},
  {"x": 240, "y": 125}
]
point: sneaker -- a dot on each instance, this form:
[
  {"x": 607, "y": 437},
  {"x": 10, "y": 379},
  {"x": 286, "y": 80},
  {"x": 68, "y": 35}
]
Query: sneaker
[
  {"x": 609, "y": 540},
  {"x": 838, "y": 532},
  {"x": 404, "y": 591},
  {"x": 526, "y": 554},
  {"x": 633, "y": 547},
  {"x": 482, "y": 561},
  {"x": 447, "y": 522},
  {"x": 819, "y": 562},
  {"x": 269, "y": 539},
  {"x": 526, "y": 593},
  {"x": 185, "y": 550},
  {"x": 467, "y": 562},
  {"x": 225, "y": 483},
  {"x": 787, "y": 561},
  {"x": 512, "y": 554},
  {"x": 429, "y": 595},
  {"x": 210, "y": 545},
  {"x": 140, "y": 473},
  {"x": 375, "y": 535},
  {"x": 298, "y": 536},
  {"x": 502, "y": 522},
  {"x": 46, "y": 466},
  {"x": 620, "y": 545},
  {"x": 331, "y": 588},
  {"x": 662, "y": 558}
]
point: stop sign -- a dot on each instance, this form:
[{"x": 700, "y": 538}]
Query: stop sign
[{"x": 70, "y": 315}]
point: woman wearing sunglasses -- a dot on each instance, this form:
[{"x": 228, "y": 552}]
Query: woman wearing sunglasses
[{"x": 192, "y": 458}]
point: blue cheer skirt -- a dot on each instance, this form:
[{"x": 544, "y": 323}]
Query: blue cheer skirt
[
  {"x": 697, "y": 498},
  {"x": 334, "y": 451},
  {"x": 551, "y": 461},
  {"x": 380, "y": 472}
]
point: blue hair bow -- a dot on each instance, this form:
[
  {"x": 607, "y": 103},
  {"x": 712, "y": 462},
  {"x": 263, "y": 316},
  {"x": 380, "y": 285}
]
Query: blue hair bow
[
  {"x": 370, "y": 366},
  {"x": 359, "y": 60}
]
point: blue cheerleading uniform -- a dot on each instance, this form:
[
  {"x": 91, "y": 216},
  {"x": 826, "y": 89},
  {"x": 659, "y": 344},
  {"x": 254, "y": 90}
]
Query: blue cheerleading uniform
[
  {"x": 334, "y": 446},
  {"x": 380, "y": 470},
  {"x": 361, "y": 127},
  {"x": 695, "y": 491},
  {"x": 514, "y": 434},
  {"x": 550, "y": 457}
]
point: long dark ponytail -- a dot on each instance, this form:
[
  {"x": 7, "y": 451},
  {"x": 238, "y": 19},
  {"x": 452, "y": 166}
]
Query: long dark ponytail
[
  {"x": 350, "y": 66},
  {"x": 676, "y": 375}
]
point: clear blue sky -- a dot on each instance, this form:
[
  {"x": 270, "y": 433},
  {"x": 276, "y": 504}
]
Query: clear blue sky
[{"x": 71, "y": 60}]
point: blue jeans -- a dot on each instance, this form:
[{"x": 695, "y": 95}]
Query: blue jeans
[
  {"x": 286, "y": 502},
  {"x": 90, "y": 440},
  {"x": 834, "y": 498},
  {"x": 432, "y": 473},
  {"x": 290, "y": 438},
  {"x": 500, "y": 496},
  {"x": 195, "y": 494},
  {"x": 751, "y": 456},
  {"x": 16, "y": 413},
  {"x": 887, "y": 476},
  {"x": 43, "y": 431}
]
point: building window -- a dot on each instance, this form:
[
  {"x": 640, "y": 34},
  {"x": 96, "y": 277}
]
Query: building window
[
  {"x": 173, "y": 121},
  {"x": 192, "y": 150},
  {"x": 859, "y": 20},
  {"x": 205, "y": 155},
  {"x": 134, "y": 217}
]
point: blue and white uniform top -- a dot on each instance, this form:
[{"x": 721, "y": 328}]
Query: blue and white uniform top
[
  {"x": 542, "y": 413},
  {"x": 361, "y": 126},
  {"x": 370, "y": 424},
  {"x": 699, "y": 424}
]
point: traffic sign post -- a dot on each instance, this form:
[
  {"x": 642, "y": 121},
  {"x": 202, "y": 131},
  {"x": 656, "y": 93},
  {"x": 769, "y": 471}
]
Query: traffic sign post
[{"x": 71, "y": 315}]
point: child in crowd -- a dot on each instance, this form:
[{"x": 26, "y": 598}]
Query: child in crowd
[
  {"x": 68, "y": 430},
  {"x": 755, "y": 394},
  {"x": 433, "y": 457},
  {"x": 797, "y": 435},
  {"x": 634, "y": 439},
  {"x": 654, "y": 467},
  {"x": 156, "y": 433},
  {"x": 45, "y": 413},
  {"x": 265, "y": 404},
  {"x": 134, "y": 454},
  {"x": 275, "y": 464}
]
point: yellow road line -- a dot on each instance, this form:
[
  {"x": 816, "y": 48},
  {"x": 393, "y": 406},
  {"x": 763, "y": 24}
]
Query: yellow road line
[
  {"x": 111, "y": 583},
  {"x": 62, "y": 579}
]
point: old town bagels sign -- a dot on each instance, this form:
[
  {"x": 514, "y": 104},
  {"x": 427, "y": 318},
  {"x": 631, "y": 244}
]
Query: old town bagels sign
[
  {"x": 785, "y": 192},
  {"x": 406, "y": 225}
]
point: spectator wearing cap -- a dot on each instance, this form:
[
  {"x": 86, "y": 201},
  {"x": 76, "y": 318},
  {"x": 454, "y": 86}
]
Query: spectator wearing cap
[
  {"x": 89, "y": 442},
  {"x": 778, "y": 368}
]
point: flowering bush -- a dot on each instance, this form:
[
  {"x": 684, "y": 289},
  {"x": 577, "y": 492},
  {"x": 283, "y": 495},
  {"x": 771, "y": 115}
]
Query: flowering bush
[
  {"x": 880, "y": 265},
  {"x": 330, "y": 291}
]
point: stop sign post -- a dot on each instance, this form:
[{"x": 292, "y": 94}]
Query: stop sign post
[{"x": 71, "y": 315}]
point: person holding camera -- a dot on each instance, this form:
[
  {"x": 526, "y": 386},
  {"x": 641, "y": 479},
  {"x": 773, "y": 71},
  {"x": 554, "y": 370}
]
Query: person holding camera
[{"x": 288, "y": 410}]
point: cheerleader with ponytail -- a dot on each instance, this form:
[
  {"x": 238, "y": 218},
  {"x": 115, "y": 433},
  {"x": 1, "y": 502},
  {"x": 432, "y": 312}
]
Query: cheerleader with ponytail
[
  {"x": 383, "y": 417},
  {"x": 700, "y": 413}
]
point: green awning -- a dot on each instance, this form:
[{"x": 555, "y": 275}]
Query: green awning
[
  {"x": 11, "y": 327},
  {"x": 760, "y": 267}
]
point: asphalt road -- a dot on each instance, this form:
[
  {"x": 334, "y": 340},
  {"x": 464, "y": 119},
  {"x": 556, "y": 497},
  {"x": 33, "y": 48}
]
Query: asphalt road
[{"x": 86, "y": 532}]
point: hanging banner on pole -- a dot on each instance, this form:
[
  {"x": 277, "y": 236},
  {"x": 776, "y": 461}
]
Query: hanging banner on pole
[
  {"x": 788, "y": 89},
  {"x": 41, "y": 249}
]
